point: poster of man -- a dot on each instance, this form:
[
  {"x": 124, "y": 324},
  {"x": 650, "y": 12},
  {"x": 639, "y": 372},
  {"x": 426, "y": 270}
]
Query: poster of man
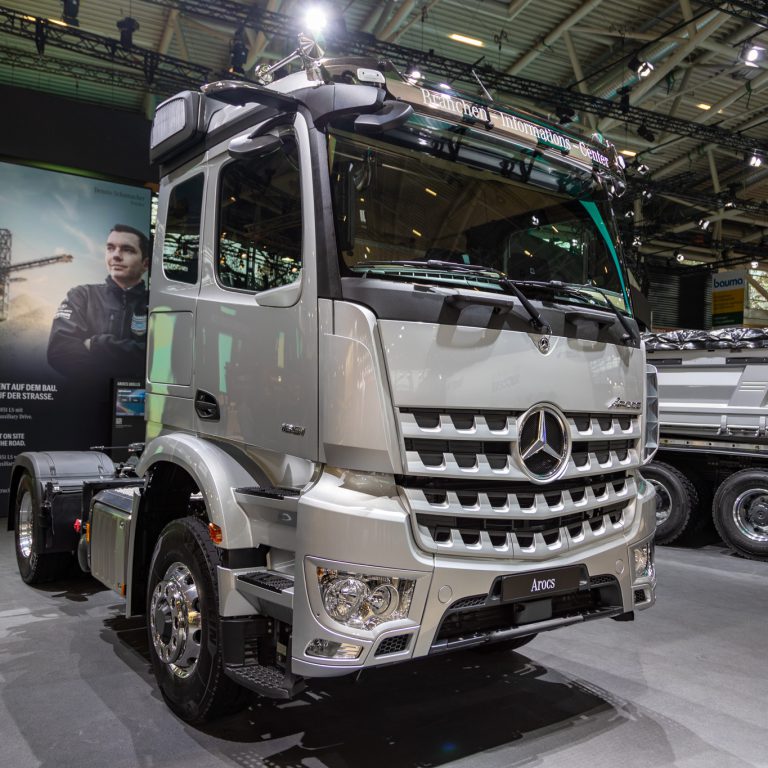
[{"x": 74, "y": 255}]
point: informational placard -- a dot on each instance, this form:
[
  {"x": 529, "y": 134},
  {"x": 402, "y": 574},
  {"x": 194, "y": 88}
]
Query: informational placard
[
  {"x": 54, "y": 268},
  {"x": 729, "y": 294}
]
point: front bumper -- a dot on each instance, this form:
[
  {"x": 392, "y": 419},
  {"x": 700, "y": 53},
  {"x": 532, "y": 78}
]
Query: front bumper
[{"x": 359, "y": 523}]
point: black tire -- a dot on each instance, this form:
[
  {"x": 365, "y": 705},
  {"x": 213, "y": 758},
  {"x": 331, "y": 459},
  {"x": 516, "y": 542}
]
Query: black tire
[
  {"x": 183, "y": 624},
  {"x": 677, "y": 501},
  {"x": 34, "y": 568},
  {"x": 740, "y": 513}
]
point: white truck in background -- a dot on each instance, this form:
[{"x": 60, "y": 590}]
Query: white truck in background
[
  {"x": 713, "y": 455},
  {"x": 397, "y": 403}
]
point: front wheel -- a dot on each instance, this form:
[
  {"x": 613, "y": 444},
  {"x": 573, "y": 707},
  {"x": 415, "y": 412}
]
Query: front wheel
[
  {"x": 740, "y": 512},
  {"x": 676, "y": 500},
  {"x": 34, "y": 567},
  {"x": 183, "y": 624}
]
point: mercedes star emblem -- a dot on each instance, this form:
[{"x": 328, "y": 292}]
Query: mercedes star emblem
[{"x": 544, "y": 443}]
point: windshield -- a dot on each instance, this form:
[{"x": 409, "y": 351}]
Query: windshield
[{"x": 432, "y": 197}]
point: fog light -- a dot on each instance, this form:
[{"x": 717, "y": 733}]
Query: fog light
[
  {"x": 328, "y": 649},
  {"x": 364, "y": 601},
  {"x": 642, "y": 561}
]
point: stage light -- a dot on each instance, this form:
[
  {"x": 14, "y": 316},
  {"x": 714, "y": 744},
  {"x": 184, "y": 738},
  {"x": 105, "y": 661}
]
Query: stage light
[
  {"x": 639, "y": 67},
  {"x": 70, "y": 11},
  {"x": 41, "y": 35},
  {"x": 127, "y": 27},
  {"x": 752, "y": 54},
  {"x": 636, "y": 242},
  {"x": 754, "y": 265},
  {"x": 678, "y": 255},
  {"x": 646, "y": 194},
  {"x": 315, "y": 19},
  {"x": 238, "y": 54},
  {"x": 565, "y": 114},
  {"x": 755, "y": 160},
  {"x": 704, "y": 224},
  {"x": 643, "y": 169},
  {"x": 645, "y": 133}
]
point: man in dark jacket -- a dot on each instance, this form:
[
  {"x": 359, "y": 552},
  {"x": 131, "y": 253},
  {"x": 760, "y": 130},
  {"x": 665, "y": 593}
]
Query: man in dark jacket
[{"x": 99, "y": 331}]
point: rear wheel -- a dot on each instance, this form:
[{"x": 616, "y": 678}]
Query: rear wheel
[
  {"x": 34, "y": 567},
  {"x": 677, "y": 500},
  {"x": 183, "y": 624},
  {"x": 740, "y": 512}
]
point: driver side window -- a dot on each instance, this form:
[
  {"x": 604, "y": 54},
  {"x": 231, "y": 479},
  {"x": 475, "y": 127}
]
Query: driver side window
[{"x": 260, "y": 226}]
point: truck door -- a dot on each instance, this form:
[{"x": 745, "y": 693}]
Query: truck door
[
  {"x": 256, "y": 325},
  {"x": 174, "y": 286}
]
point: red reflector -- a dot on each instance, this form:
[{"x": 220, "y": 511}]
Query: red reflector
[
  {"x": 78, "y": 525},
  {"x": 215, "y": 533}
]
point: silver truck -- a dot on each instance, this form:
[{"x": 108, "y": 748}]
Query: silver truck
[
  {"x": 713, "y": 390},
  {"x": 396, "y": 399}
]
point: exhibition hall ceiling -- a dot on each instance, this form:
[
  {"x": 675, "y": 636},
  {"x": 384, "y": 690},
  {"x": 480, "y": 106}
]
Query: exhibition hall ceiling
[{"x": 679, "y": 87}]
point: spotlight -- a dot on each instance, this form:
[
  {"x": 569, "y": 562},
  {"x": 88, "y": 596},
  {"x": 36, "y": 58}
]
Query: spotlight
[
  {"x": 755, "y": 161},
  {"x": 624, "y": 100},
  {"x": 315, "y": 20},
  {"x": 754, "y": 265},
  {"x": 645, "y": 133},
  {"x": 752, "y": 54},
  {"x": 41, "y": 35},
  {"x": 643, "y": 169},
  {"x": 412, "y": 74},
  {"x": 565, "y": 114},
  {"x": 678, "y": 255},
  {"x": 636, "y": 241},
  {"x": 639, "y": 67},
  {"x": 646, "y": 194},
  {"x": 630, "y": 214},
  {"x": 704, "y": 224},
  {"x": 71, "y": 9},
  {"x": 127, "y": 27},
  {"x": 238, "y": 53}
]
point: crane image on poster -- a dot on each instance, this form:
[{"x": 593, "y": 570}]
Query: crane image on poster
[{"x": 8, "y": 270}]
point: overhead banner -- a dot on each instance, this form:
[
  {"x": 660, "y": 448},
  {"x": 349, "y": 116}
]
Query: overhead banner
[
  {"x": 72, "y": 308},
  {"x": 729, "y": 294}
]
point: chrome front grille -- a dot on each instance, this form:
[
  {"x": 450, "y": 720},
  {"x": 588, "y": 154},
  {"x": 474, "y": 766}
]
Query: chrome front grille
[
  {"x": 469, "y": 496},
  {"x": 481, "y": 444}
]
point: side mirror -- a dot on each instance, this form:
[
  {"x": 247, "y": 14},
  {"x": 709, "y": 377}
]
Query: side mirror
[
  {"x": 392, "y": 115},
  {"x": 254, "y": 146}
]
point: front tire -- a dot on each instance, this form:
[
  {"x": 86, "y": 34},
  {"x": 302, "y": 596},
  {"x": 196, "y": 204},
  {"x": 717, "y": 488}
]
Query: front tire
[
  {"x": 183, "y": 624},
  {"x": 677, "y": 500},
  {"x": 740, "y": 512},
  {"x": 34, "y": 567}
]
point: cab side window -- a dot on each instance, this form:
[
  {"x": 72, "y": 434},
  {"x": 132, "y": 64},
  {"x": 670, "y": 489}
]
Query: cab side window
[
  {"x": 181, "y": 246},
  {"x": 260, "y": 231}
]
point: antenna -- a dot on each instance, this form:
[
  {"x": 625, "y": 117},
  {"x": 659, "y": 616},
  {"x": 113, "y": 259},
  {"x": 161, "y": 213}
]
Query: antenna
[{"x": 486, "y": 92}]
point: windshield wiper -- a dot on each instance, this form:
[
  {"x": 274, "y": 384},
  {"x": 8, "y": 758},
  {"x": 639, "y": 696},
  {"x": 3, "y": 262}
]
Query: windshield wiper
[
  {"x": 574, "y": 290},
  {"x": 476, "y": 269}
]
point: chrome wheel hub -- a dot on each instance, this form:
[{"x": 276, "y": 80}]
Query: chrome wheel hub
[
  {"x": 24, "y": 530},
  {"x": 663, "y": 503},
  {"x": 750, "y": 513},
  {"x": 175, "y": 621}
]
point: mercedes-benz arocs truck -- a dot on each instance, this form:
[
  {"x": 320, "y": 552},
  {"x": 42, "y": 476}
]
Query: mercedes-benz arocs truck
[
  {"x": 713, "y": 456},
  {"x": 396, "y": 401}
]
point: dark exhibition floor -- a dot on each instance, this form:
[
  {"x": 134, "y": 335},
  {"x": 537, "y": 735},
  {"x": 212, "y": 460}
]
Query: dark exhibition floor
[{"x": 685, "y": 685}]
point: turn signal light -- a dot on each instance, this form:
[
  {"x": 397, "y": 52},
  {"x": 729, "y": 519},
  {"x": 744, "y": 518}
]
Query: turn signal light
[{"x": 215, "y": 533}]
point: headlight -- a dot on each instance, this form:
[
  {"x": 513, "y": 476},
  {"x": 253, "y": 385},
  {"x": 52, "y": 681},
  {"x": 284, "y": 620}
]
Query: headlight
[
  {"x": 642, "y": 561},
  {"x": 651, "y": 432},
  {"x": 364, "y": 601}
]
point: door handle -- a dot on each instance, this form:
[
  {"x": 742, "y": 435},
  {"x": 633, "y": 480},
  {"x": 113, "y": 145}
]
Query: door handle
[{"x": 206, "y": 406}]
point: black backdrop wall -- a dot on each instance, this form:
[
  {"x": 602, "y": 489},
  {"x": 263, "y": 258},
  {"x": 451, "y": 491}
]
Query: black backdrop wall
[{"x": 38, "y": 127}]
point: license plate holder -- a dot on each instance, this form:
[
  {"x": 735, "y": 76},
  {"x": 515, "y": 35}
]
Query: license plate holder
[{"x": 539, "y": 584}]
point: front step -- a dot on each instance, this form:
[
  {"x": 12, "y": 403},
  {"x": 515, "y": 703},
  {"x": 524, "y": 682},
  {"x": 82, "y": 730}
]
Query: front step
[
  {"x": 270, "y": 592},
  {"x": 272, "y": 682}
]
